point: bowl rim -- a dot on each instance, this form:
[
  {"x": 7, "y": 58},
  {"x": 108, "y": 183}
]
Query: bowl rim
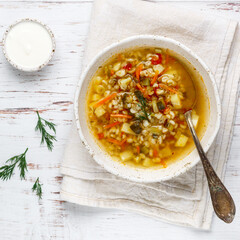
[
  {"x": 16, "y": 65},
  {"x": 114, "y": 45}
]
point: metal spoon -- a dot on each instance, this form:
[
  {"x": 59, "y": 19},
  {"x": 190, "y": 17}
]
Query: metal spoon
[{"x": 222, "y": 201}]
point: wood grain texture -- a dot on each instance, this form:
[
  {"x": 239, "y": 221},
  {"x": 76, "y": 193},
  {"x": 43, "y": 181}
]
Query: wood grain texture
[{"x": 51, "y": 91}]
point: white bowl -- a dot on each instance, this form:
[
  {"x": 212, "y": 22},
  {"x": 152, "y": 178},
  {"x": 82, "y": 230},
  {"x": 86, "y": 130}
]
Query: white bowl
[
  {"x": 138, "y": 174},
  {"x": 27, "y": 69}
]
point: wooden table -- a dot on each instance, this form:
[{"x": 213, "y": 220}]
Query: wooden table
[{"x": 51, "y": 90}]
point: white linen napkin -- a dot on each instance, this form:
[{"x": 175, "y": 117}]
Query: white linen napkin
[{"x": 183, "y": 200}]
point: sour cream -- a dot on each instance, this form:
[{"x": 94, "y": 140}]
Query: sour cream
[{"x": 29, "y": 45}]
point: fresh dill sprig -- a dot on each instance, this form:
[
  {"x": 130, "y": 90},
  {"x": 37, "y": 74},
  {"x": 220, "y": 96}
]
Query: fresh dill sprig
[
  {"x": 142, "y": 105},
  {"x": 6, "y": 171},
  {"x": 46, "y": 137},
  {"x": 38, "y": 188}
]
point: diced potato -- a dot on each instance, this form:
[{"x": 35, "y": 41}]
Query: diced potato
[
  {"x": 99, "y": 111},
  {"x": 126, "y": 156},
  {"x": 147, "y": 162},
  {"x": 176, "y": 102},
  {"x": 178, "y": 134},
  {"x": 126, "y": 128},
  {"x": 181, "y": 142},
  {"x": 195, "y": 118},
  {"x": 116, "y": 66},
  {"x": 165, "y": 152},
  {"x": 155, "y": 107},
  {"x": 121, "y": 73},
  {"x": 158, "y": 67},
  {"x": 156, "y": 160},
  {"x": 137, "y": 159},
  {"x": 95, "y": 97},
  {"x": 124, "y": 83}
]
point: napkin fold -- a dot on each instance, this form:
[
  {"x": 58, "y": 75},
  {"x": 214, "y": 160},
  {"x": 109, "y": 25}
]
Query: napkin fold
[{"x": 183, "y": 200}]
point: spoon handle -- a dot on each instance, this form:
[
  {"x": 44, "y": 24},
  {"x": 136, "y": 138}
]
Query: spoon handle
[{"x": 222, "y": 201}]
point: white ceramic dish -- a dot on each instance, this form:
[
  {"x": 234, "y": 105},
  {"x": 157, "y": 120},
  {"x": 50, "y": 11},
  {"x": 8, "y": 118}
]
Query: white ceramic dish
[
  {"x": 131, "y": 173},
  {"x": 44, "y": 63}
]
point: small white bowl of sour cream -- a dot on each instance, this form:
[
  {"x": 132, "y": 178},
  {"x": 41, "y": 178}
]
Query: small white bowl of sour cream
[{"x": 28, "y": 45}]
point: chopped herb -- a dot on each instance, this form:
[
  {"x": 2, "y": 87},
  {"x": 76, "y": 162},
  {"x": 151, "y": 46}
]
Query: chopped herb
[
  {"x": 6, "y": 171},
  {"x": 38, "y": 188},
  {"x": 46, "y": 137},
  {"x": 142, "y": 105}
]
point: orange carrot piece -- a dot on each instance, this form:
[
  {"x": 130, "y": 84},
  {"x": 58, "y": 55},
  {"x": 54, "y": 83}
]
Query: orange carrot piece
[
  {"x": 138, "y": 149},
  {"x": 100, "y": 136},
  {"x": 138, "y": 70},
  {"x": 124, "y": 144},
  {"x": 167, "y": 88},
  {"x": 142, "y": 90},
  {"x": 121, "y": 116},
  {"x": 166, "y": 110},
  {"x": 111, "y": 125},
  {"x": 163, "y": 163},
  {"x": 165, "y": 70},
  {"x": 155, "y": 78},
  {"x": 103, "y": 100},
  {"x": 112, "y": 140},
  {"x": 155, "y": 152}
]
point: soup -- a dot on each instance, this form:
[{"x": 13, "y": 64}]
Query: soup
[{"x": 136, "y": 103}]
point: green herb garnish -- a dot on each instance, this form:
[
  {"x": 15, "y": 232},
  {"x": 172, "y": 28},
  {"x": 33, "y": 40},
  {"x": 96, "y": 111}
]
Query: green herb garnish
[
  {"x": 6, "y": 171},
  {"x": 142, "y": 105},
  {"x": 38, "y": 188},
  {"x": 46, "y": 137}
]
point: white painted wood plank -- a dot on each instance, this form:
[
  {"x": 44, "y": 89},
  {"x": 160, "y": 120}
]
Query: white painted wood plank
[{"x": 52, "y": 91}]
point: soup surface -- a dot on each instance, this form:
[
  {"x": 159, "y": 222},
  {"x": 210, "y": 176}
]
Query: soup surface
[{"x": 135, "y": 107}]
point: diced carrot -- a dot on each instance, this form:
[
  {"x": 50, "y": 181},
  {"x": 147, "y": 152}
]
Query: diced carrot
[
  {"x": 138, "y": 70},
  {"x": 120, "y": 57},
  {"x": 112, "y": 140},
  {"x": 166, "y": 110},
  {"x": 121, "y": 116},
  {"x": 100, "y": 136},
  {"x": 142, "y": 90},
  {"x": 155, "y": 152},
  {"x": 169, "y": 138},
  {"x": 111, "y": 125},
  {"x": 180, "y": 122},
  {"x": 124, "y": 145},
  {"x": 112, "y": 72},
  {"x": 155, "y": 78},
  {"x": 103, "y": 100},
  {"x": 161, "y": 85},
  {"x": 138, "y": 149}
]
